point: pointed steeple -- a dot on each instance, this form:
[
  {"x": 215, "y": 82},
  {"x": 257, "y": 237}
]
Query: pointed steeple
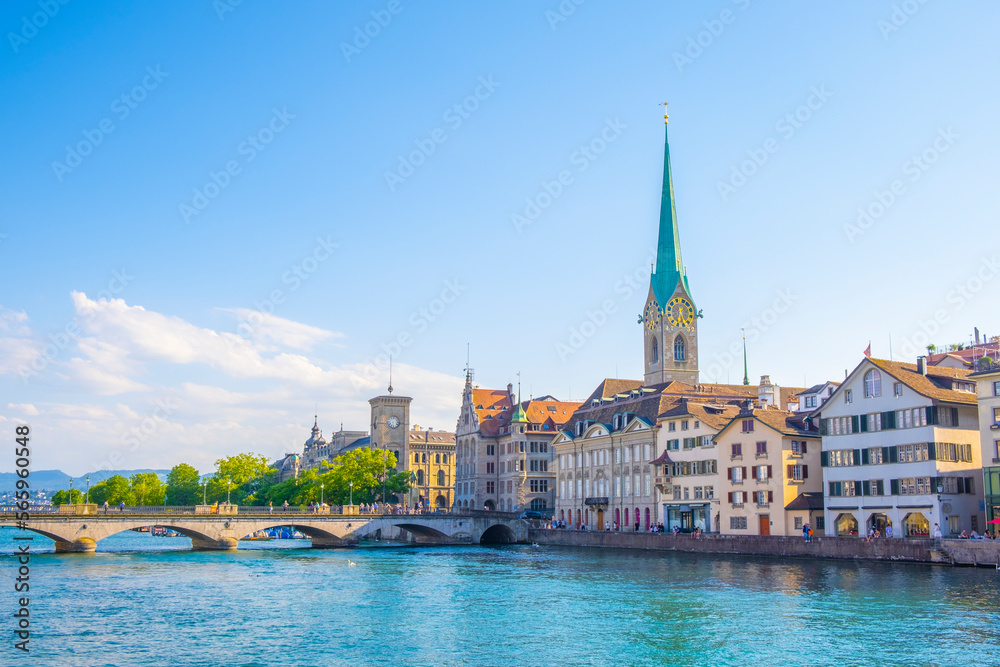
[
  {"x": 669, "y": 266},
  {"x": 519, "y": 416}
]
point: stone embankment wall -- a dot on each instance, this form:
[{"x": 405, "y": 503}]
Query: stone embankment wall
[{"x": 897, "y": 549}]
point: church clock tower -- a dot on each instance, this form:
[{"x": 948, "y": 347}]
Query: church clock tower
[{"x": 670, "y": 318}]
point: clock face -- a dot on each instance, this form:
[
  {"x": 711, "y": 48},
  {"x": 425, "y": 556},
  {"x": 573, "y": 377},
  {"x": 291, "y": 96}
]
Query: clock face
[
  {"x": 652, "y": 315},
  {"x": 680, "y": 312},
  {"x": 393, "y": 422}
]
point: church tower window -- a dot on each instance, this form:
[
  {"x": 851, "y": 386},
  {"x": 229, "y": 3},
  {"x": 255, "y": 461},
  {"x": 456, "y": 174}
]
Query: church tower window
[
  {"x": 656, "y": 351},
  {"x": 679, "y": 348}
]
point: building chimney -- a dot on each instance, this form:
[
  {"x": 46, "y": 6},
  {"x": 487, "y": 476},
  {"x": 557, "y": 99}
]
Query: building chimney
[{"x": 922, "y": 365}]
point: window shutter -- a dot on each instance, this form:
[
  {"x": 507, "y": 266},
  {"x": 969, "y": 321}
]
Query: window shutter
[
  {"x": 893, "y": 455},
  {"x": 968, "y": 485},
  {"x": 866, "y": 488},
  {"x": 770, "y": 496},
  {"x": 753, "y": 471},
  {"x": 894, "y": 487},
  {"x": 932, "y": 414},
  {"x": 855, "y": 424},
  {"x": 857, "y": 487},
  {"x": 730, "y": 497},
  {"x": 803, "y": 446},
  {"x": 864, "y": 423},
  {"x": 805, "y": 472},
  {"x": 954, "y": 417},
  {"x": 888, "y": 420},
  {"x": 729, "y": 474},
  {"x": 824, "y": 459},
  {"x": 791, "y": 471},
  {"x": 769, "y": 473},
  {"x": 931, "y": 451},
  {"x": 744, "y": 472},
  {"x": 830, "y": 490},
  {"x": 865, "y": 459},
  {"x": 857, "y": 457},
  {"x": 824, "y": 427}
]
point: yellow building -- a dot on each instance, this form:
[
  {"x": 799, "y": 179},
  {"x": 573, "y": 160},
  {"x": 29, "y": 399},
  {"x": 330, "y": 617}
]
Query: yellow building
[{"x": 432, "y": 467}]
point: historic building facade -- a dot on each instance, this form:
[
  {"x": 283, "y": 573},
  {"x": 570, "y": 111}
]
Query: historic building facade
[
  {"x": 988, "y": 396},
  {"x": 901, "y": 449},
  {"x": 768, "y": 458},
  {"x": 504, "y": 459}
]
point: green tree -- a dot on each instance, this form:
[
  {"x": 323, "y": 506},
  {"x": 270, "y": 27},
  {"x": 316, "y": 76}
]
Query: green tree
[
  {"x": 147, "y": 489},
  {"x": 241, "y": 476},
  {"x": 61, "y": 497},
  {"x": 117, "y": 490},
  {"x": 99, "y": 493},
  {"x": 183, "y": 485}
]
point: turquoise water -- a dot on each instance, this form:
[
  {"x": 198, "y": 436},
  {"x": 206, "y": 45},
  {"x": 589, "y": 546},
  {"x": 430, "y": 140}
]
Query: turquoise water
[{"x": 275, "y": 603}]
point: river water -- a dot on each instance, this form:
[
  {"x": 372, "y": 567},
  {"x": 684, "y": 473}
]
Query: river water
[{"x": 144, "y": 600}]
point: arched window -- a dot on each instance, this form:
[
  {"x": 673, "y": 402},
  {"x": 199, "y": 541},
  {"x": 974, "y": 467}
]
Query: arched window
[
  {"x": 420, "y": 478},
  {"x": 679, "y": 348},
  {"x": 538, "y": 504},
  {"x": 445, "y": 459},
  {"x": 437, "y": 458},
  {"x": 656, "y": 351},
  {"x": 416, "y": 458},
  {"x": 424, "y": 457},
  {"x": 873, "y": 384},
  {"x": 440, "y": 477}
]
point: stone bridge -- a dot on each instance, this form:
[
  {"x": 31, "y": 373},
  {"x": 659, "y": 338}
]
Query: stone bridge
[{"x": 82, "y": 529}]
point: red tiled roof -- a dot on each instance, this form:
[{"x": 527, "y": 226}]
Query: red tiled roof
[{"x": 936, "y": 384}]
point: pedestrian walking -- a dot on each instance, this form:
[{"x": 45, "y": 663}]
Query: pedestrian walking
[
  {"x": 105, "y": 506},
  {"x": 121, "y": 507},
  {"x": 285, "y": 506},
  {"x": 270, "y": 508}
]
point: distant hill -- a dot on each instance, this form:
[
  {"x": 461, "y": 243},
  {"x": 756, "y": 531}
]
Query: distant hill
[{"x": 56, "y": 480}]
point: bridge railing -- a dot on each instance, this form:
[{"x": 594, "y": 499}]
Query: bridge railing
[
  {"x": 9, "y": 511},
  {"x": 487, "y": 514}
]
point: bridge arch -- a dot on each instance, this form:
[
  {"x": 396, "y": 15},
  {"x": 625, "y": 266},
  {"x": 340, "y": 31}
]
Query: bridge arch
[{"x": 498, "y": 534}]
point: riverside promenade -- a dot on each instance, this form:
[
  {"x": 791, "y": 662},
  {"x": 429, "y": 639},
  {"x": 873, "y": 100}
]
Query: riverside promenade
[{"x": 984, "y": 553}]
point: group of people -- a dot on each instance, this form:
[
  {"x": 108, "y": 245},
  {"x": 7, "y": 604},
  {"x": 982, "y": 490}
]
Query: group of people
[
  {"x": 976, "y": 536},
  {"x": 389, "y": 508},
  {"x": 875, "y": 533}
]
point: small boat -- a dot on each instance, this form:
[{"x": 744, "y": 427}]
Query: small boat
[{"x": 259, "y": 536}]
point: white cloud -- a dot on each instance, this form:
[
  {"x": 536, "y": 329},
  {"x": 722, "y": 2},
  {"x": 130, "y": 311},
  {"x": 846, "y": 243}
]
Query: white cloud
[
  {"x": 24, "y": 408},
  {"x": 265, "y": 329},
  {"x": 184, "y": 393}
]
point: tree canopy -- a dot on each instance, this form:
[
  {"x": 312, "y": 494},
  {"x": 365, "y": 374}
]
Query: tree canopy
[{"x": 183, "y": 485}]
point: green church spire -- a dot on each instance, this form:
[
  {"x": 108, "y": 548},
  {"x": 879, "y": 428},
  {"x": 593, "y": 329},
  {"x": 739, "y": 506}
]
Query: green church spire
[
  {"x": 669, "y": 266},
  {"x": 519, "y": 416}
]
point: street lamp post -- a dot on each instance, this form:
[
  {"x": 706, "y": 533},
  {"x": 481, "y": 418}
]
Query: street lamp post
[
  {"x": 204, "y": 491},
  {"x": 321, "y": 487},
  {"x": 69, "y": 501},
  {"x": 351, "y": 485},
  {"x": 229, "y": 483},
  {"x": 86, "y": 500}
]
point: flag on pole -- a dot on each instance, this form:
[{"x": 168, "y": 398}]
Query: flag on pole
[{"x": 868, "y": 350}]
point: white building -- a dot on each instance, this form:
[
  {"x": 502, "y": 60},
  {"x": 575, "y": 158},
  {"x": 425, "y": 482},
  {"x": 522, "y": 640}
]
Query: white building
[
  {"x": 988, "y": 382},
  {"x": 901, "y": 450}
]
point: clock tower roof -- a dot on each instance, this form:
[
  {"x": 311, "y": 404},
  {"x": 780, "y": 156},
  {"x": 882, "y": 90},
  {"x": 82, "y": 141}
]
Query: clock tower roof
[{"x": 670, "y": 270}]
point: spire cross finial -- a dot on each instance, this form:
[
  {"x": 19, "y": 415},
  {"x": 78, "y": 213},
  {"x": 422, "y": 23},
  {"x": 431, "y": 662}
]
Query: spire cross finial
[
  {"x": 390, "y": 373},
  {"x": 664, "y": 113}
]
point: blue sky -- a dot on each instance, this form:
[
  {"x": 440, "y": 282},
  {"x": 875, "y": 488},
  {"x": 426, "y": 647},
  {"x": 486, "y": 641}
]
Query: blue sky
[{"x": 170, "y": 310}]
